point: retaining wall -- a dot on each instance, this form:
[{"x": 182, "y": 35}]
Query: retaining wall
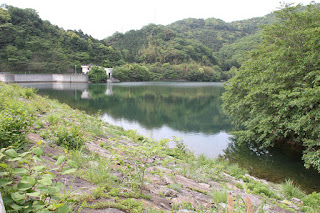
[
  {"x": 25, "y": 78},
  {"x": 7, "y": 78}
]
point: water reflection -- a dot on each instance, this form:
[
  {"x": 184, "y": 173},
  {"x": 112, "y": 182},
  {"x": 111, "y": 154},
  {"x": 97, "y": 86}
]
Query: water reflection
[
  {"x": 273, "y": 165},
  {"x": 188, "y": 110}
]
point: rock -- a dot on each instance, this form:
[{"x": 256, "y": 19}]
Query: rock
[
  {"x": 268, "y": 208},
  {"x": 107, "y": 210},
  {"x": 184, "y": 200},
  {"x": 255, "y": 201},
  {"x": 184, "y": 211},
  {"x": 205, "y": 185},
  {"x": 297, "y": 201},
  {"x": 222, "y": 205},
  {"x": 167, "y": 179},
  {"x": 170, "y": 193}
]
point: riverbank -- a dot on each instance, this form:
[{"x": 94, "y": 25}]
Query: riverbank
[{"x": 123, "y": 171}]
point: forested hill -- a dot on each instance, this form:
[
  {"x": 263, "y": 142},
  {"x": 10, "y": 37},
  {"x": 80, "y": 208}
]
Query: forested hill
[
  {"x": 191, "y": 49},
  {"x": 27, "y": 43},
  {"x": 210, "y": 41}
]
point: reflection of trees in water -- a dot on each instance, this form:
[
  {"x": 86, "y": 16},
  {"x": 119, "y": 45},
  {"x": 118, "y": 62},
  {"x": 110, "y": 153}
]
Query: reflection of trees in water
[
  {"x": 188, "y": 109},
  {"x": 273, "y": 165},
  {"x": 194, "y": 109}
]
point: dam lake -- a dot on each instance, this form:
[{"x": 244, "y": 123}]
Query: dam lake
[{"x": 189, "y": 111}]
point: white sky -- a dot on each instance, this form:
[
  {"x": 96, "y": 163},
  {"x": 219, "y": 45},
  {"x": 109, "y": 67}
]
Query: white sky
[{"x": 102, "y": 18}]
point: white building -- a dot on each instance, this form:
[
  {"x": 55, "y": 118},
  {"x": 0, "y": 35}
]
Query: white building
[{"x": 86, "y": 68}]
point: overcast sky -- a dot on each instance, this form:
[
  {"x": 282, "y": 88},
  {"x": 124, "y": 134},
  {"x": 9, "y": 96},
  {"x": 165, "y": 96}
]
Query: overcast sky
[{"x": 102, "y": 18}]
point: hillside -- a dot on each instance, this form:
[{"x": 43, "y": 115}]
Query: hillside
[
  {"x": 189, "y": 49},
  {"x": 190, "y": 40},
  {"x": 27, "y": 43}
]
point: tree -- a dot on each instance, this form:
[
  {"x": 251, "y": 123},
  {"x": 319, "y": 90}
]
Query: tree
[
  {"x": 97, "y": 74},
  {"x": 275, "y": 95}
]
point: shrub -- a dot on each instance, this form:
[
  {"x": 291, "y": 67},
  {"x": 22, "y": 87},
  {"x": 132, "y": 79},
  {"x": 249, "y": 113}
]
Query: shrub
[
  {"x": 312, "y": 200},
  {"x": 132, "y": 72},
  {"x": 29, "y": 187},
  {"x": 69, "y": 137},
  {"x": 15, "y": 121},
  {"x": 97, "y": 74}
]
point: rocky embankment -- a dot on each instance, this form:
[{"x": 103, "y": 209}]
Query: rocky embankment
[
  {"x": 66, "y": 160},
  {"x": 165, "y": 189}
]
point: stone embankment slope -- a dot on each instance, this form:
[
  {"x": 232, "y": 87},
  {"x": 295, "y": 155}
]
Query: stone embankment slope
[
  {"x": 121, "y": 171},
  {"x": 166, "y": 189}
]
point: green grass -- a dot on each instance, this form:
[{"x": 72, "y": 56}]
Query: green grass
[
  {"x": 219, "y": 196},
  {"x": 289, "y": 190}
]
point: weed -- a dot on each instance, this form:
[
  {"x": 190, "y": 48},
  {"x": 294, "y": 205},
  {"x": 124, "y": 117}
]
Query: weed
[
  {"x": 219, "y": 196},
  {"x": 29, "y": 187},
  {"x": 175, "y": 186},
  {"x": 289, "y": 190},
  {"x": 259, "y": 188},
  {"x": 236, "y": 171},
  {"x": 15, "y": 123},
  {"x": 138, "y": 159},
  {"x": 69, "y": 137},
  {"x": 93, "y": 168},
  {"x": 312, "y": 200}
]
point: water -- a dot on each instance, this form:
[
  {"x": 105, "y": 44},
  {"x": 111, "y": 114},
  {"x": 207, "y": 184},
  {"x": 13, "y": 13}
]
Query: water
[{"x": 190, "y": 111}]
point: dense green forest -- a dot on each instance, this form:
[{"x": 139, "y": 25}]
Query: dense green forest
[
  {"x": 189, "y": 49},
  {"x": 275, "y": 95},
  {"x": 27, "y": 43}
]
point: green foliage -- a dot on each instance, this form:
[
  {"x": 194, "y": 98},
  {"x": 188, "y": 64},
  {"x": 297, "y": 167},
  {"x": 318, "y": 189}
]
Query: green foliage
[
  {"x": 137, "y": 159},
  {"x": 236, "y": 171},
  {"x": 70, "y": 137},
  {"x": 16, "y": 117},
  {"x": 132, "y": 72},
  {"x": 219, "y": 196},
  {"x": 30, "y": 44},
  {"x": 275, "y": 94},
  {"x": 97, "y": 74},
  {"x": 92, "y": 167},
  {"x": 15, "y": 123},
  {"x": 30, "y": 187},
  {"x": 289, "y": 190},
  {"x": 180, "y": 151},
  {"x": 312, "y": 200}
]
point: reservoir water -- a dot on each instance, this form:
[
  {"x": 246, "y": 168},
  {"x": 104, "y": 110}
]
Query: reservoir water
[{"x": 190, "y": 111}]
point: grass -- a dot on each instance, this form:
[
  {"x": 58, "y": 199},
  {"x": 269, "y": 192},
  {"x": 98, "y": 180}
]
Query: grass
[
  {"x": 58, "y": 123},
  {"x": 92, "y": 168},
  {"x": 175, "y": 186},
  {"x": 289, "y": 190},
  {"x": 219, "y": 196}
]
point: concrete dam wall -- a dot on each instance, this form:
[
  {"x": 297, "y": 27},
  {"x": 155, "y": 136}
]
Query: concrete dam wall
[{"x": 25, "y": 78}]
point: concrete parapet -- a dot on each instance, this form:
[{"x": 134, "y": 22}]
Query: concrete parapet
[
  {"x": 25, "y": 78},
  {"x": 69, "y": 78},
  {"x": 7, "y": 78},
  {"x": 33, "y": 78}
]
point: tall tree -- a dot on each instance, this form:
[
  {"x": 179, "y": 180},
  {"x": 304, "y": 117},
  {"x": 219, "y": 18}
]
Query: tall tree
[{"x": 276, "y": 94}]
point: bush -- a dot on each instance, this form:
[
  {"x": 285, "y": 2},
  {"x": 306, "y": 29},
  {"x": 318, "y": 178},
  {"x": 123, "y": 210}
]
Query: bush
[
  {"x": 15, "y": 122},
  {"x": 274, "y": 97},
  {"x": 132, "y": 72},
  {"x": 30, "y": 187},
  {"x": 69, "y": 137},
  {"x": 97, "y": 74}
]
